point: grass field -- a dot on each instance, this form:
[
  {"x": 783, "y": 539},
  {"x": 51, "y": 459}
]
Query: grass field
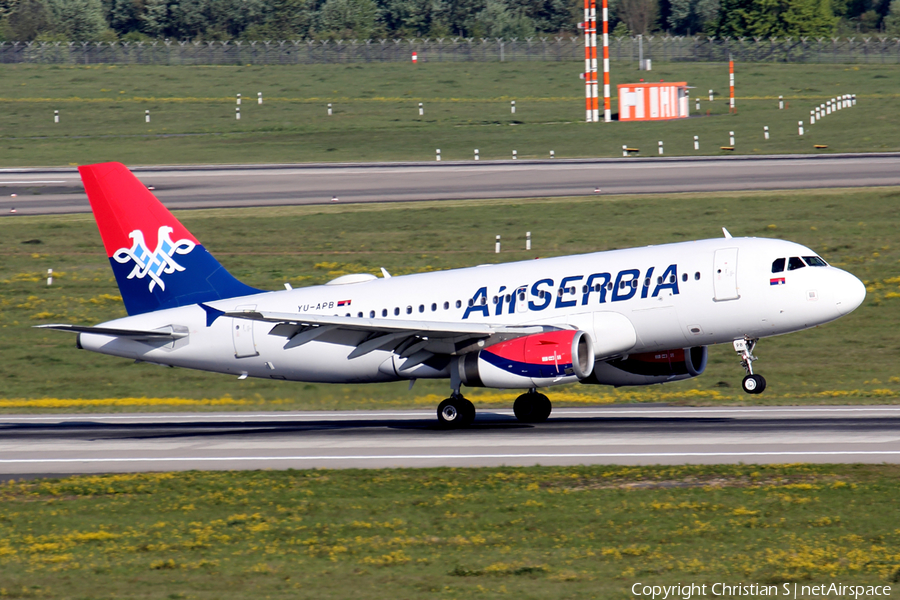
[
  {"x": 573, "y": 532},
  {"x": 467, "y": 106},
  {"x": 856, "y": 359}
]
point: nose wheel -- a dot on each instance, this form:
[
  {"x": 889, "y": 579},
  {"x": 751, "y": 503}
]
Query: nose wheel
[{"x": 752, "y": 383}]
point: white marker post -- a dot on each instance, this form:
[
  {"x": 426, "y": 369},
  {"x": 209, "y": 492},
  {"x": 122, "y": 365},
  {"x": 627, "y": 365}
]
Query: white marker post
[
  {"x": 329, "y": 109},
  {"x": 552, "y": 154},
  {"x": 146, "y": 116},
  {"x": 237, "y": 114},
  {"x": 800, "y": 127},
  {"x": 838, "y": 105},
  {"x": 56, "y": 116},
  {"x": 853, "y": 99},
  {"x": 731, "y": 138},
  {"x": 476, "y": 153},
  {"x": 512, "y": 107},
  {"x": 710, "y": 95},
  {"x": 660, "y": 147},
  {"x": 497, "y": 246},
  {"x": 697, "y": 106},
  {"x": 515, "y": 155},
  {"x": 49, "y": 276},
  {"x": 528, "y": 240},
  {"x": 437, "y": 155},
  {"x": 818, "y": 114},
  {"x": 421, "y": 109},
  {"x": 828, "y": 107},
  {"x": 766, "y": 132},
  {"x": 696, "y": 142},
  {"x": 239, "y": 99},
  {"x": 812, "y": 117},
  {"x": 780, "y": 102},
  {"x": 259, "y": 97},
  {"x": 624, "y": 150}
]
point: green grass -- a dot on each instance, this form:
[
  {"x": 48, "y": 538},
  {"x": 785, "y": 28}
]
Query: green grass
[
  {"x": 570, "y": 532},
  {"x": 855, "y": 359},
  {"x": 467, "y": 106}
]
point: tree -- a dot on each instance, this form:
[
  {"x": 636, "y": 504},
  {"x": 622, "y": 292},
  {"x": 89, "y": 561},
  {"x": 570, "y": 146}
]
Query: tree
[
  {"x": 781, "y": 18},
  {"x": 28, "y": 20},
  {"x": 639, "y": 15},
  {"x": 687, "y": 17},
  {"x": 496, "y": 20},
  {"x": 348, "y": 18},
  {"x": 154, "y": 18},
  {"x": 77, "y": 19}
]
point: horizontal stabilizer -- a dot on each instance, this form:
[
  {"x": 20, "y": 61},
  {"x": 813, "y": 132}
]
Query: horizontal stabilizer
[{"x": 133, "y": 334}]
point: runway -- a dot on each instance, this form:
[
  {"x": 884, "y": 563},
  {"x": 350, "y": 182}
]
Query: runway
[
  {"x": 624, "y": 434},
  {"x": 59, "y": 190}
]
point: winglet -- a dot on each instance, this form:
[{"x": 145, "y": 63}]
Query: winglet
[
  {"x": 727, "y": 235},
  {"x": 211, "y": 314}
]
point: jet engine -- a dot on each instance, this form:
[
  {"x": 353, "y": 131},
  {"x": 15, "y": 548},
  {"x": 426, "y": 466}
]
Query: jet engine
[
  {"x": 650, "y": 367},
  {"x": 537, "y": 360}
]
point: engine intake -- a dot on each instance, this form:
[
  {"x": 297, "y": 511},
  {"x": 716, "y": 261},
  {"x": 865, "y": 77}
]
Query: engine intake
[
  {"x": 536, "y": 360},
  {"x": 651, "y": 367}
]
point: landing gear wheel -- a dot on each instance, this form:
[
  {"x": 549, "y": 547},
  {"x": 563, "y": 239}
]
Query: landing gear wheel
[
  {"x": 532, "y": 408},
  {"x": 455, "y": 412},
  {"x": 754, "y": 384}
]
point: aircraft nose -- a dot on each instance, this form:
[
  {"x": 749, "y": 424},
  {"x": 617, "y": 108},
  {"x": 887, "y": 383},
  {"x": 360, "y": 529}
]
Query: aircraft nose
[{"x": 849, "y": 293}]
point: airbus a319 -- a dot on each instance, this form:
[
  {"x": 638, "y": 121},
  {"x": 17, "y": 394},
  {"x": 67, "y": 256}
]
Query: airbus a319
[{"x": 637, "y": 316}]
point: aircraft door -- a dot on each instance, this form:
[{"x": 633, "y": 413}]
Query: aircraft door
[
  {"x": 242, "y": 334},
  {"x": 725, "y": 274}
]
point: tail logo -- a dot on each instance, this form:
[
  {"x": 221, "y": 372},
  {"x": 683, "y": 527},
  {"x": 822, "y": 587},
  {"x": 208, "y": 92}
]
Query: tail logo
[{"x": 153, "y": 264}]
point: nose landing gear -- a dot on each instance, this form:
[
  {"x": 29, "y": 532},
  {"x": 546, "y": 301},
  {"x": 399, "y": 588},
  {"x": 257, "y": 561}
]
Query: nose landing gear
[{"x": 752, "y": 383}]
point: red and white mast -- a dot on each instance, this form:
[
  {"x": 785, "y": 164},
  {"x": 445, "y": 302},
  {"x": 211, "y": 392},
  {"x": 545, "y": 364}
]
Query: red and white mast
[{"x": 607, "y": 111}]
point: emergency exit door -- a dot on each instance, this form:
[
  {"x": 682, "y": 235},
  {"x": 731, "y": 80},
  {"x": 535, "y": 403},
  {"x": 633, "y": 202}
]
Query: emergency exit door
[
  {"x": 242, "y": 334},
  {"x": 725, "y": 274}
]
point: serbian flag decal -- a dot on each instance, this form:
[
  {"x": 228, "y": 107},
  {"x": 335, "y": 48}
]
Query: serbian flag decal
[
  {"x": 777, "y": 281},
  {"x": 344, "y": 302}
]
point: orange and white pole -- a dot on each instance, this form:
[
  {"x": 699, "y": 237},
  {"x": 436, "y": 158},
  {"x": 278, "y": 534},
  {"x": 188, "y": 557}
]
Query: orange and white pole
[
  {"x": 595, "y": 112},
  {"x": 731, "y": 81},
  {"x": 587, "y": 61},
  {"x": 607, "y": 110}
]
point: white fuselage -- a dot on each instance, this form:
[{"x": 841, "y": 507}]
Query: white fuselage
[{"x": 686, "y": 294}]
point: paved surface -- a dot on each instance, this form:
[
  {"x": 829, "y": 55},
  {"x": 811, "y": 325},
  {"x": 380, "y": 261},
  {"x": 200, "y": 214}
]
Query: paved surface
[
  {"x": 43, "y": 191},
  {"x": 59, "y": 444}
]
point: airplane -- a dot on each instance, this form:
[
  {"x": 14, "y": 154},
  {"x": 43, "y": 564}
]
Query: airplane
[{"x": 627, "y": 317}]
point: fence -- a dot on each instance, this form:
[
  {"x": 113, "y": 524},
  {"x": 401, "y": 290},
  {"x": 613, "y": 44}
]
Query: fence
[{"x": 874, "y": 49}]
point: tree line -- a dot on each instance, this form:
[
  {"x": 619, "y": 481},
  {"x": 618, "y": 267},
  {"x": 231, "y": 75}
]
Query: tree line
[{"x": 208, "y": 20}]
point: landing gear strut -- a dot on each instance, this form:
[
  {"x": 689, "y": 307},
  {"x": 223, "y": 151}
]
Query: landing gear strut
[
  {"x": 532, "y": 407},
  {"x": 455, "y": 412},
  {"x": 752, "y": 383}
]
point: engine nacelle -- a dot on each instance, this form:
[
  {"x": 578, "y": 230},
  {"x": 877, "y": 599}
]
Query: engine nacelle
[
  {"x": 650, "y": 367},
  {"x": 537, "y": 360}
]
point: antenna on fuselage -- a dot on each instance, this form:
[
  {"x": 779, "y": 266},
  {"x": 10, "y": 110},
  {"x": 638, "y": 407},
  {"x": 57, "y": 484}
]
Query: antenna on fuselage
[
  {"x": 727, "y": 235},
  {"x": 388, "y": 275}
]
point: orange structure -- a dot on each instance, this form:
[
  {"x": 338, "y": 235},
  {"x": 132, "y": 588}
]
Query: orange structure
[{"x": 653, "y": 101}]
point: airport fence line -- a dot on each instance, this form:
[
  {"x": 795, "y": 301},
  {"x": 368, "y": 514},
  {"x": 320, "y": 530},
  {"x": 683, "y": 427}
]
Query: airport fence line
[{"x": 872, "y": 49}]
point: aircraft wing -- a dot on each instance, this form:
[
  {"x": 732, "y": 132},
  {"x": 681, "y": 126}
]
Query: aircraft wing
[
  {"x": 409, "y": 338},
  {"x": 134, "y": 334}
]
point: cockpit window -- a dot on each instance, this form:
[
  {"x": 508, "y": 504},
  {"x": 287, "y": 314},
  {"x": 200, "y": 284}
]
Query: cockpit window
[
  {"x": 778, "y": 265},
  {"x": 815, "y": 261},
  {"x": 795, "y": 263}
]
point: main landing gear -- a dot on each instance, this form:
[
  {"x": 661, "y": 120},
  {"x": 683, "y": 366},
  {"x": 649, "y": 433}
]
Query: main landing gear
[
  {"x": 456, "y": 411},
  {"x": 532, "y": 407},
  {"x": 752, "y": 383}
]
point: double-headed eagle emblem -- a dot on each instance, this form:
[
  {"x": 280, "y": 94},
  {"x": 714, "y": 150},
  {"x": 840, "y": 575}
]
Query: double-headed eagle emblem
[{"x": 153, "y": 264}]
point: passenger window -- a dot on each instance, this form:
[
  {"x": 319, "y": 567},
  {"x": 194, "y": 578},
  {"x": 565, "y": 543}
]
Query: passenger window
[
  {"x": 495, "y": 299},
  {"x": 778, "y": 265},
  {"x": 396, "y": 311},
  {"x": 659, "y": 280},
  {"x": 471, "y": 303},
  {"x": 795, "y": 263},
  {"x": 459, "y": 304},
  {"x": 383, "y": 312},
  {"x": 507, "y": 298},
  {"x": 433, "y": 306},
  {"x": 421, "y": 308},
  {"x": 521, "y": 296},
  {"x": 697, "y": 276},
  {"x": 359, "y": 315},
  {"x": 446, "y": 305},
  {"x": 609, "y": 286},
  {"x": 371, "y": 314},
  {"x": 646, "y": 282},
  {"x": 409, "y": 310},
  {"x": 684, "y": 276},
  {"x": 815, "y": 261}
]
